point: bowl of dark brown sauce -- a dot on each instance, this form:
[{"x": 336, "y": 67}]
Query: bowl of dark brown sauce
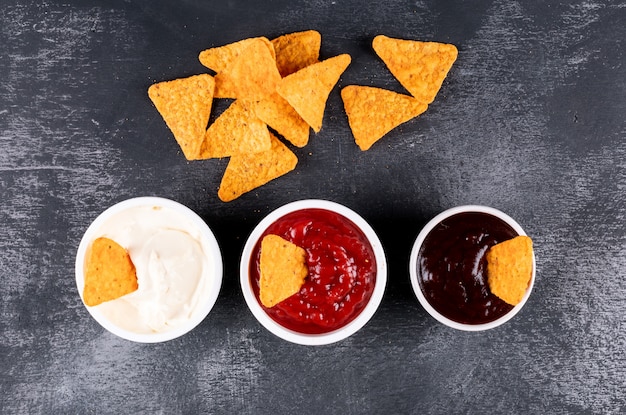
[{"x": 448, "y": 267}]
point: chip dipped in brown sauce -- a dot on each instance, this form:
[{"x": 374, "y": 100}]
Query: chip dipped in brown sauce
[{"x": 452, "y": 267}]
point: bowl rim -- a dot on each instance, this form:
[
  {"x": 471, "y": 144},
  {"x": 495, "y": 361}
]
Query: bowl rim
[
  {"x": 415, "y": 280},
  {"x": 322, "y": 338},
  {"x": 208, "y": 238}
]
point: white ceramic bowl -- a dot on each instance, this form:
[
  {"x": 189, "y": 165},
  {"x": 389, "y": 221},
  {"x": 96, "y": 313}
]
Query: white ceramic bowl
[
  {"x": 178, "y": 215},
  {"x": 414, "y": 258},
  {"x": 342, "y": 332}
]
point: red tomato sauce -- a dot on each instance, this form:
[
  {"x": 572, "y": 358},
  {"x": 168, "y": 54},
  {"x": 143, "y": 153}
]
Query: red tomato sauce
[{"x": 342, "y": 271}]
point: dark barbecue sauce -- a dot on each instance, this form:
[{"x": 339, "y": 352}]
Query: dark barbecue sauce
[{"x": 452, "y": 267}]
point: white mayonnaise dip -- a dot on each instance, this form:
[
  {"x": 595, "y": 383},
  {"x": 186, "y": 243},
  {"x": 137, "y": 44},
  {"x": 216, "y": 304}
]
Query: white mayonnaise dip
[{"x": 173, "y": 269}]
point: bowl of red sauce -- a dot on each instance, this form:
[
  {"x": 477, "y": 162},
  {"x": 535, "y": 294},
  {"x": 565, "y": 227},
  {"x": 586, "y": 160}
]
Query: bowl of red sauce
[
  {"x": 347, "y": 272},
  {"x": 448, "y": 266}
]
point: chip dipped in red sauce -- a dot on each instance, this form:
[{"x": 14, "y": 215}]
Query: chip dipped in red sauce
[{"x": 342, "y": 271}]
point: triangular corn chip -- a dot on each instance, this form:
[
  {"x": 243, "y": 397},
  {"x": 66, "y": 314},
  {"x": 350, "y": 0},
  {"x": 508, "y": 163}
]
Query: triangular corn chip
[
  {"x": 307, "y": 90},
  {"x": 248, "y": 171},
  {"x": 295, "y": 51},
  {"x": 185, "y": 105},
  {"x": 221, "y": 57},
  {"x": 420, "y": 67},
  {"x": 509, "y": 268},
  {"x": 373, "y": 112},
  {"x": 225, "y": 86},
  {"x": 236, "y": 130},
  {"x": 109, "y": 272},
  {"x": 252, "y": 74},
  {"x": 255, "y": 72},
  {"x": 283, "y": 270},
  {"x": 280, "y": 115}
]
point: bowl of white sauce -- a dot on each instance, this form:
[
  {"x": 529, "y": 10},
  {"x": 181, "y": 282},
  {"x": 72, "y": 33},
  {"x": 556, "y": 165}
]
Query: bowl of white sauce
[{"x": 178, "y": 264}]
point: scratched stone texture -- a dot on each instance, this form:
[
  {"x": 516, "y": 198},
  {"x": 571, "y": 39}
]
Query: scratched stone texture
[{"x": 531, "y": 120}]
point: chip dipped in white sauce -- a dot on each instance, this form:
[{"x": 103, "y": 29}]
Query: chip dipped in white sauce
[{"x": 178, "y": 265}]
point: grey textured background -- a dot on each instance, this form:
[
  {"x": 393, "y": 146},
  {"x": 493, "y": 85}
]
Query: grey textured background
[{"x": 531, "y": 120}]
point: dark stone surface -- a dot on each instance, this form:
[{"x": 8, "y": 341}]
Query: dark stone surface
[{"x": 531, "y": 120}]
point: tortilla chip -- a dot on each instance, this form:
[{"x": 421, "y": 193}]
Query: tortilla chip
[
  {"x": 252, "y": 74},
  {"x": 420, "y": 67},
  {"x": 247, "y": 171},
  {"x": 221, "y": 57},
  {"x": 277, "y": 113},
  {"x": 509, "y": 268},
  {"x": 225, "y": 86},
  {"x": 307, "y": 90},
  {"x": 295, "y": 51},
  {"x": 283, "y": 270},
  {"x": 237, "y": 130},
  {"x": 109, "y": 272},
  {"x": 185, "y": 105},
  {"x": 373, "y": 112}
]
